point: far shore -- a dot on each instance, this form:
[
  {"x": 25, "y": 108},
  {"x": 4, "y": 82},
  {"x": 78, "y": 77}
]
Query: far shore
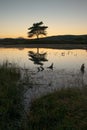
[{"x": 51, "y": 46}]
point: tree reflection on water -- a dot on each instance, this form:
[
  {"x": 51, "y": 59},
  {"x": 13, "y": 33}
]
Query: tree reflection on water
[{"x": 37, "y": 57}]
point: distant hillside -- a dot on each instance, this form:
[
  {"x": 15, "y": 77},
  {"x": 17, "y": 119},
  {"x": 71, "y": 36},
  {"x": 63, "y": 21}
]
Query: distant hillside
[
  {"x": 67, "y": 37},
  {"x": 60, "y": 39}
]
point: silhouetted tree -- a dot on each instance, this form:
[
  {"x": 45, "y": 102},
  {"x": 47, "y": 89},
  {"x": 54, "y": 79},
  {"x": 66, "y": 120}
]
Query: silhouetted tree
[{"x": 37, "y": 29}]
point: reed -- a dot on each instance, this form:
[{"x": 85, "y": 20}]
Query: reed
[{"x": 10, "y": 97}]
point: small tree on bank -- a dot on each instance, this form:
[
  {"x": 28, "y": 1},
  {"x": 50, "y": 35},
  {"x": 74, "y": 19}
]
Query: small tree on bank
[{"x": 37, "y": 29}]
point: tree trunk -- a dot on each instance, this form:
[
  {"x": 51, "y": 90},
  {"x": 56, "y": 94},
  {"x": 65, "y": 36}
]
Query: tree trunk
[{"x": 37, "y": 37}]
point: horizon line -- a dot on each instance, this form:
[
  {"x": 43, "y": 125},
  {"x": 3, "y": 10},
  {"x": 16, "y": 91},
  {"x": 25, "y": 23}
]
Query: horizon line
[{"x": 20, "y": 37}]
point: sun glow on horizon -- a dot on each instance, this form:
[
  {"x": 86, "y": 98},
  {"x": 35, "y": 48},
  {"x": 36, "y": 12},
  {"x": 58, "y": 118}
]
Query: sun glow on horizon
[
  {"x": 62, "y": 17},
  {"x": 51, "y": 31}
]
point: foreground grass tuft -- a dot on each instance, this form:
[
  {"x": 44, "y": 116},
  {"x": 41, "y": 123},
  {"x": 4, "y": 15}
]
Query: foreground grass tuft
[
  {"x": 10, "y": 97},
  {"x": 65, "y": 109}
]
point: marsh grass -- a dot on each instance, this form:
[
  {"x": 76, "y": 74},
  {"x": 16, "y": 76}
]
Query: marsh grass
[
  {"x": 65, "y": 109},
  {"x": 10, "y": 97}
]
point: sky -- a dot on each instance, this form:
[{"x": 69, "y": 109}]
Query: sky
[{"x": 62, "y": 17}]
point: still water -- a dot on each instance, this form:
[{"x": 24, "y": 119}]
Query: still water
[
  {"x": 49, "y": 69},
  {"x": 68, "y": 60}
]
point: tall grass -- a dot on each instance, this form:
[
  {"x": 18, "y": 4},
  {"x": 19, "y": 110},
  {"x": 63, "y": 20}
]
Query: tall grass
[
  {"x": 65, "y": 109},
  {"x": 10, "y": 97}
]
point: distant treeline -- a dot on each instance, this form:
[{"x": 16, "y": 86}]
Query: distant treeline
[{"x": 61, "y": 39}]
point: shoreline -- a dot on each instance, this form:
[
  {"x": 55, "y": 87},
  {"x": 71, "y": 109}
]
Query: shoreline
[{"x": 51, "y": 46}]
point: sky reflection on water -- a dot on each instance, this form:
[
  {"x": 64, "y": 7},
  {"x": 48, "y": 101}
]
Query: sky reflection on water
[
  {"x": 61, "y": 59},
  {"x": 65, "y": 72}
]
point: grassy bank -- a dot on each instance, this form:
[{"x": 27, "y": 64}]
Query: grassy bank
[
  {"x": 65, "y": 109},
  {"x": 10, "y": 98}
]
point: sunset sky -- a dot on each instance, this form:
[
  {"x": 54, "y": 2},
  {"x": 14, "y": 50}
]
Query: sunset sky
[{"x": 61, "y": 16}]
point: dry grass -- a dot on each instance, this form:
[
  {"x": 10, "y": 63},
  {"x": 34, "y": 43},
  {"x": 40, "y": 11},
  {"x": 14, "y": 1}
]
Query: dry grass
[{"x": 65, "y": 109}]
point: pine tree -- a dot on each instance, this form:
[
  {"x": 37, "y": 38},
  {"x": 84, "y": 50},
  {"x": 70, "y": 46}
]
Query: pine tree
[{"x": 37, "y": 29}]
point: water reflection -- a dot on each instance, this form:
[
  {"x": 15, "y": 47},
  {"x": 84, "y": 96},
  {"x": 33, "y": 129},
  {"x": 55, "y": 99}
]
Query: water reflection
[
  {"x": 49, "y": 69},
  {"x": 32, "y": 58},
  {"x": 37, "y": 57}
]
